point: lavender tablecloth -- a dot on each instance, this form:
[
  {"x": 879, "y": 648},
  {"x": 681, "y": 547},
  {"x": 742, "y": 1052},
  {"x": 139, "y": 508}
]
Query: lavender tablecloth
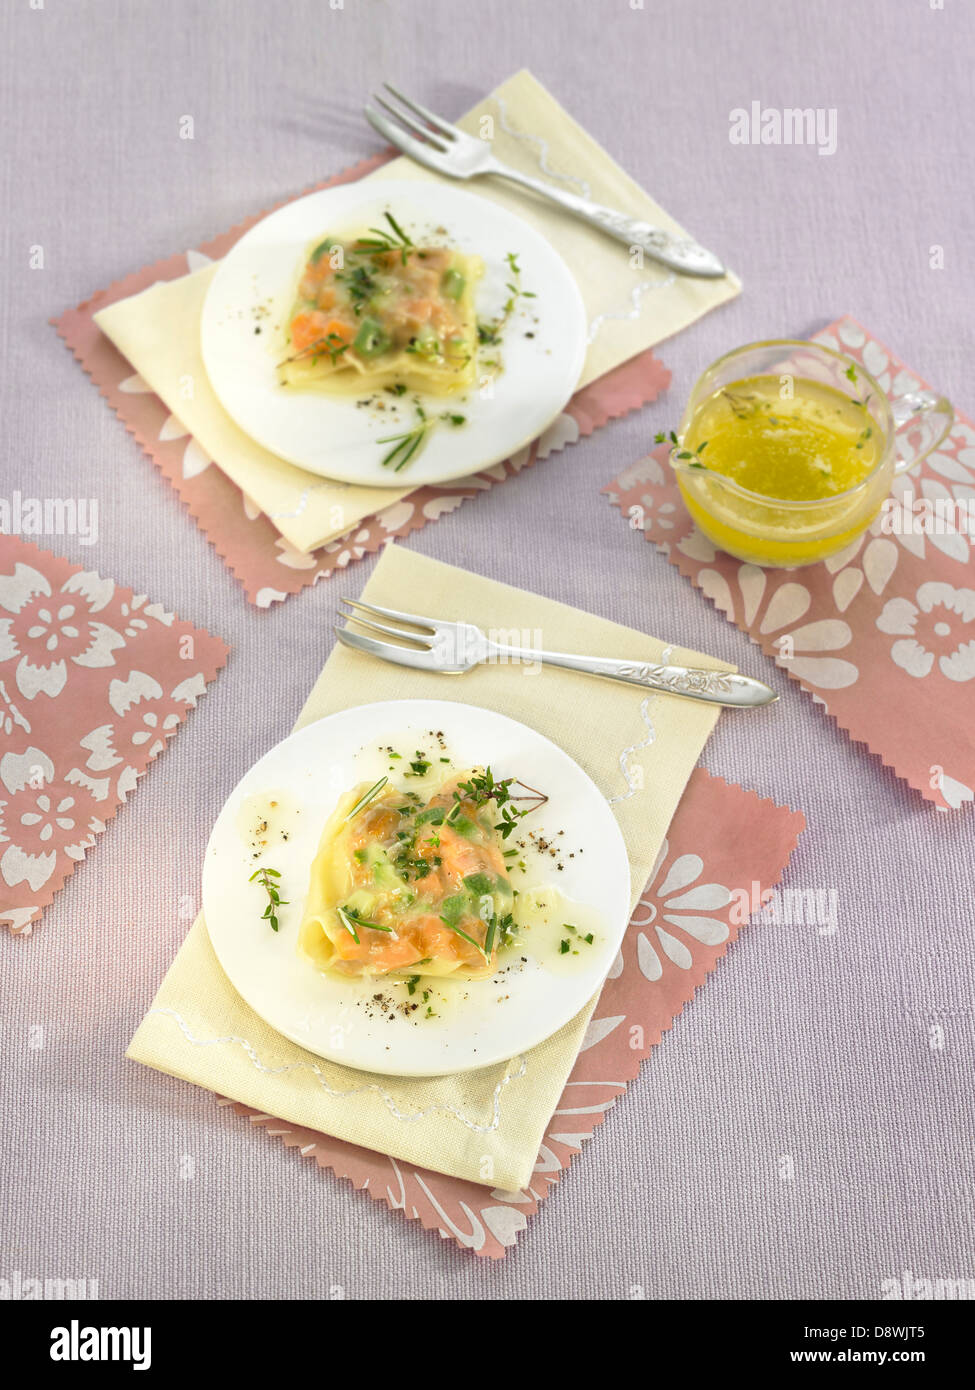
[{"x": 806, "y": 1129}]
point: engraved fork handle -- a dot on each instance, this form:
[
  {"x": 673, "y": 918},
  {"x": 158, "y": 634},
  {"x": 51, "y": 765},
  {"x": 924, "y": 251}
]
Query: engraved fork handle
[
  {"x": 694, "y": 683},
  {"x": 683, "y": 255}
]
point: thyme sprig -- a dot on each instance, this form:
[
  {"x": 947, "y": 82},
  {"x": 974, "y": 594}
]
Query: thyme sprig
[
  {"x": 274, "y": 900},
  {"x": 683, "y": 453},
  {"x": 863, "y": 401},
  {"x": 489, "y": 331},
  {"x": 481, "y": 788}
]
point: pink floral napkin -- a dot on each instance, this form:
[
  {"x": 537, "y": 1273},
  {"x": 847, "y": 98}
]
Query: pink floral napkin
[
  {"x": 246, "y": 540},
  {"x": 94, "y": 680},
  {"x": 725, "y": 851},
  {"x": 882, "y": 634}
]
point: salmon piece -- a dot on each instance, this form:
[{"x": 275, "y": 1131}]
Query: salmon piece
[
  {"x": 346, "y": 948},
  {"x": 410, "y": 315},
  {"x": 313, "y": 277},
  {"x": 434, "y": 260},
  {"x": 390, "y": 952},
  {"x": 307, "y": 329},
  {"x": 378, "y": 823},
  {"x": 438, "y": 940},
  {"x": 314, "y": 326},
  {"x": 425, "y": 282}
]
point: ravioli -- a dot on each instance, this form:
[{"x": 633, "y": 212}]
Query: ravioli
[
  {"x": 379, "y": 311},
  {"x": 400, "y": 885}
]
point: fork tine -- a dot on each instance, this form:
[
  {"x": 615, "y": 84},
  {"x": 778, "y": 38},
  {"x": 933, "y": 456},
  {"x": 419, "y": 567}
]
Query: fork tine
[
  {"x": 395, "y": 135},
  {"x": 419, "y": 644},
  {"x": 429, "y": 624},
  {"x": 422, "y": 132},
  {"x": 441, "y": 126},
  {"x": 402, "y": 656}
]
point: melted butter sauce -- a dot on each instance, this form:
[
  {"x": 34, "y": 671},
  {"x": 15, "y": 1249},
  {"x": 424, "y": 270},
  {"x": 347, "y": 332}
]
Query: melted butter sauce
[
  {"x": 267, "y": 820},
  {"x": 552, "y": 930}
]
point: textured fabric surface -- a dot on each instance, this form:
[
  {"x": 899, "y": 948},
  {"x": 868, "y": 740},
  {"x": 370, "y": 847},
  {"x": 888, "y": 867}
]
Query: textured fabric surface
[{"x": 805, "y": 1129}]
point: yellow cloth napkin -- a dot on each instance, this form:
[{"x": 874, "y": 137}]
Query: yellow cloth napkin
[
  {"x": 485, "y": 1125},
  {"x": 628, "y": 309}
]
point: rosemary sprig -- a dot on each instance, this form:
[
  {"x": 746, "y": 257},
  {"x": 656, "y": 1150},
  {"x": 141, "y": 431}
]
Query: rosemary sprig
[
  {"x": 381, "y": 242},
  {"x": 274, "y": 899},
  {"x": 366, "y": 797},
  {"x": 351, "y": 918},
  {"x": 408, "y": 444},
  {"x": 489, "y": 937},
  {"x": 460, "y": 932}
]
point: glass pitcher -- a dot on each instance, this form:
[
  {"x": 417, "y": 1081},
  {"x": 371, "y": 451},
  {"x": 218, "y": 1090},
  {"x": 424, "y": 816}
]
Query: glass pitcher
[{"x": 773, "y": 531}]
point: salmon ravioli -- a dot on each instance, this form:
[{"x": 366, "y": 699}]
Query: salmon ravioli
[
  {"x": 404, "y": 886},
  {"x": 379, "y": 311}
]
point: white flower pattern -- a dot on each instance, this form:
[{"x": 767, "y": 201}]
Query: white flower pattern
[
  {"x": 942, "y": 616},
  {"x": 80, "y": 722},
  {"x": 682, "y": 902},
  {"x": 54, "y": 631}
]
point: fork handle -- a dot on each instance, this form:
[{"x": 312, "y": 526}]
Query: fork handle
[
  {"x": 693, "y": 682},
  {"x": 683, "y": 254}
]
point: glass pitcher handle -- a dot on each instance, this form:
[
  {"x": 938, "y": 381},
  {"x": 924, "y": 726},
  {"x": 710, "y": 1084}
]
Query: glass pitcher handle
[{"x": 922, "y": 421}]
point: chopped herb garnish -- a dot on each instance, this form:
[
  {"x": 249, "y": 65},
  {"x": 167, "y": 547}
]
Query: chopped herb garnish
[{"x": 479, "y": 884}]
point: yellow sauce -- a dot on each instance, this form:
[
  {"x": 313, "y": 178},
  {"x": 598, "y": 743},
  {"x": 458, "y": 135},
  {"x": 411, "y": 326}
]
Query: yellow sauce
[
  {"x": 554, "y": 931},
  {"x": 811, "y": 445}
]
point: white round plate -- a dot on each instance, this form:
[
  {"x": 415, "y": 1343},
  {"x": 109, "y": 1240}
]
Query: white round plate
[
  {"x": 254, "y": 287},
  {"x": 477, "y": 1023}
]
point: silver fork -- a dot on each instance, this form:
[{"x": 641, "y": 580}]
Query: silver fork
[
  {"x": 447, "y": 149},
  {"x": 434, "y": 644}
]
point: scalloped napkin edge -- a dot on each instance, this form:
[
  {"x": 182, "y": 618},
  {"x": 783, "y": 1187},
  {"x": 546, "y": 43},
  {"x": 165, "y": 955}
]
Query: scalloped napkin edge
[{"x": 660, "y": 972}]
